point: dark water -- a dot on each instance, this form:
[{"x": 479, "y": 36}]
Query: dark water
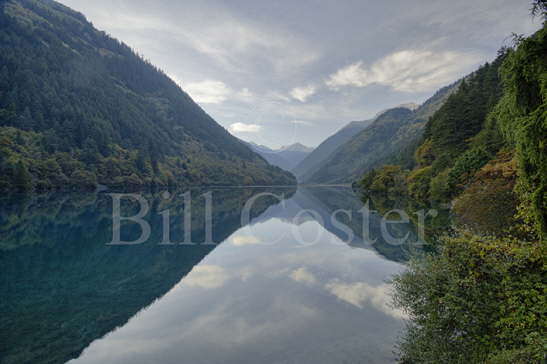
[{"x": 292, "y": 286}]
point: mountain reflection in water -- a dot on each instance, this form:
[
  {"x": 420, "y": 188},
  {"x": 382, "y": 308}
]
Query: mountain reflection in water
[{"x": 263, "y": 293}]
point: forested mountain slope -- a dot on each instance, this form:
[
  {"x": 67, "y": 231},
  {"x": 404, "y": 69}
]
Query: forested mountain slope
[
  {"x": 79, "y": 108},
  {"x": 366, "y": 148},
  {"x": 313, "y": 161},
  {"x": 459, "y": 139},
  {"x": 391, "y": 132},
  {"x": 485, "y": 152}
]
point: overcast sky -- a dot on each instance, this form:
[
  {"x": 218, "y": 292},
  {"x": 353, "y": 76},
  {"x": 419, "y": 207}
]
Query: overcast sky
[{"x": 278, "y": 72}]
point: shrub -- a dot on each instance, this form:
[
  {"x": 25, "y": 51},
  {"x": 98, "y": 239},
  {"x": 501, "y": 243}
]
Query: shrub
[
  {"x": 440, "y": 189},
  {"x": 522, "y": 115},
  {"x": 418, "y": 183},
  {"x": 388, "y": 179},
  {"x": 481, "y": 299},
  {"x": 488, "y": 204},
  {"x": 367, "y": 180},
  {"x": 424, "y": 154},
  {"x": 84, "y": 179},
  {"x": 467, "y": 164},
  {"x": 443, "y": 162}
]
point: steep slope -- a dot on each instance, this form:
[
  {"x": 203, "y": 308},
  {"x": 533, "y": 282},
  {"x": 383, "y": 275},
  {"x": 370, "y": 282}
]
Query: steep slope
[
  {"x": 313, "y": 161},
  {"x": 286, "y": 157},
  {"x": 365, "y": 149},
  {"x": 462, "y": 149},
  {"x": 486, "y": 152},
  {"x": 460, "y": 138},
  {"x": 391, "y": 132},
  {"x": 78, "y": 107}
]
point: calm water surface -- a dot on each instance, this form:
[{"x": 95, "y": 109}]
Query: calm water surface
[{"x": 292, "y": 286}]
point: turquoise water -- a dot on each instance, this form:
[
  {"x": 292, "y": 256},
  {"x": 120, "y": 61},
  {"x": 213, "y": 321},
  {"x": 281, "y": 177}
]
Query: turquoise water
[{"x": 290, "y": 286}]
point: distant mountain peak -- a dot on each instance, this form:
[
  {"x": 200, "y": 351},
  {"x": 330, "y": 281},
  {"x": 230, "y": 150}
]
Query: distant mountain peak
[
  {"x": 410, "y": 106},
  {"x": 296, "y": 147},
  {"x": 286, "y": 157}
]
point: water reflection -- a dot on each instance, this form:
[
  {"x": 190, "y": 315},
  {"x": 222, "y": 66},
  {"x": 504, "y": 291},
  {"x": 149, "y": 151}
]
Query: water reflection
[
  {"x": 245, "y": 300},
  {"x": 62, "y": 287}
]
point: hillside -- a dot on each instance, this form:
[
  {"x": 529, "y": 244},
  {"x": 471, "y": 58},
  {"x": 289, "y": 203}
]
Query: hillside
[
  {"x": 365, "y": 149},
  {"x": 485, "y": 153},
  {"x": 286, "y": 157},
  {"x": 313, "y": 161},
  {"x": 460, "y": 138},
  {"x": 79, "y": 108},
  {"x": 391, "y": 132}
]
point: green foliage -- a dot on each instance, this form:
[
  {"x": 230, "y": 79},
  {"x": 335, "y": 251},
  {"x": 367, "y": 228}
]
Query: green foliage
[
  {"x": 466, "y": 165},
  {"x": 490, "y": 138},
  {"x": 460, "y": 137},
  {"x": 424, "y": 154},
  {"x": 522, "y": 114},
  {"x": 388, "y": 179},
  {"x": 479, "y": 300},
  {"x": 441, "y": 163},
  {"x": 464, "y": 114},
  {"x": 483, "y": 299},
  {"x": 367, "y": 180},
  {"x": 440, "y": 188},
  {"x": 488, "y": 204},
  {"x": 85, "y": 179},
  {"x": 418, "y": 183},
  {"x": 74, "y": 99}
]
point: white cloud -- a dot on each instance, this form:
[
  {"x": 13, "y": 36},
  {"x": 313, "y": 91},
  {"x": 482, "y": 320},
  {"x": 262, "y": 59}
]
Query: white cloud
[
  {"x": 301, "y": 122},
  {"x": 357, "y": 294},
  {"x": 352, "y": 75},
  {"x": 303, "y": 93},
  {"x": 406, "y": 71},
  {"x": 244, "y": 95},
  {"x": 208, "y": 91},
  {"x": 214, "y": 92},
  {"x": 232, "y": 44},
  {"x": 276, "y": 96},
  {"x": 230, "y": 41},
  {"x": 244, "y": 128},
  {"x": 303, "y": 276},
  {"x": 206, "y": 276},
  {"x": 242, "y": 240}
]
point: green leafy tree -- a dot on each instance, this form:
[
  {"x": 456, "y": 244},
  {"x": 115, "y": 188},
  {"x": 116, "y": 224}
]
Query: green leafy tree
[
  {"x": 481, "y": 300},
  {"x": 522, "y": 114}
]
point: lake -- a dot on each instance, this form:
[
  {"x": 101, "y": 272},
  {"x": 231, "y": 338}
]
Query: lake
[{"x": 301, "y": 278}]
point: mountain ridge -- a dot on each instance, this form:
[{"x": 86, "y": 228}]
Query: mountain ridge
[
  {"x": 313, "y": 161},
  {"x": 81, "y": 108},
  {"x": 285, "y": 157},
  {"x": 385, "y": 136}
]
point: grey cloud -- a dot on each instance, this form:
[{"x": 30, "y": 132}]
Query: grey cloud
[{"x": 270, "y": 63}]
